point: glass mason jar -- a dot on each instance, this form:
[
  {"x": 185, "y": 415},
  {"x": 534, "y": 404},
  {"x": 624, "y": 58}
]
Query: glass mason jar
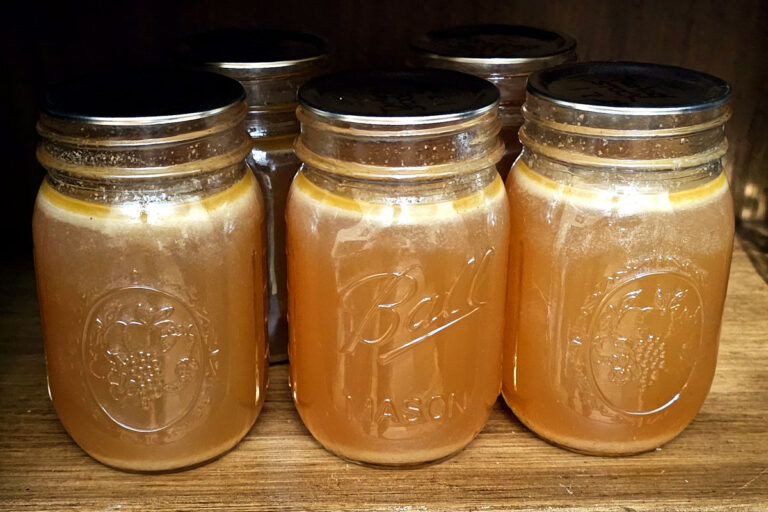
[
  {"x": 504, "y": 55},
  {"x": 622, "y": 231},
  {"x": 398, "y": 230},
  {"x": 271, "y": 64},
  {"x": 149, "y": 256}
]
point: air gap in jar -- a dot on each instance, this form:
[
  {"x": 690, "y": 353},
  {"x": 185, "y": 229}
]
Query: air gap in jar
[
  {"x": 148, "y": 254},
  {"x": 271, "y": 64},
  {"x": 397, "y": 246},
  {"x": 504, "y": 55},
  {"x": 622, "y": 230}
]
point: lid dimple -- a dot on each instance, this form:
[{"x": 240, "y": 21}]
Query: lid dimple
[
  {"x": 494, "y": 42},
  {"x": 251, "y": 46},
  {"x": 399, "y": 94},
  {"x": 143, "y": 97},
  {"x": 629, "y": 87}
]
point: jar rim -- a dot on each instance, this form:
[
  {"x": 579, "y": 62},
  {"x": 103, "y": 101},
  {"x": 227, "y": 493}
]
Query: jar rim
[
  {"x": 628, "y": 88},
  {"x": 399, "y": 152},
  {"x": 276, "y": 66},
  {"x": 494, "y": 44},
  {"x": 414, "y": 96},
  {"x": 266, "y": 49},
  {"x": 142, "y": 98},
  {"x": 400, "y": 121}
]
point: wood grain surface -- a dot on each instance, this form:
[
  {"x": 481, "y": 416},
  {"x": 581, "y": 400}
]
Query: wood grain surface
[{"x": 720, "y": 462}]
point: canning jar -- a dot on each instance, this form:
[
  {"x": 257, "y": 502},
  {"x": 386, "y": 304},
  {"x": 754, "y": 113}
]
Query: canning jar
[
  {"x": 397, "y": 245},
  {"x": 149, "y": 256},
  {"x": 271, "y": 64},
  {"x": 622, "y": 231},
  {"x": 504, "y": 55}
]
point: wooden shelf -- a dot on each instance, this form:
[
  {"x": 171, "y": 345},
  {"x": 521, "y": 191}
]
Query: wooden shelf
[{"x": 720, "y": 462}]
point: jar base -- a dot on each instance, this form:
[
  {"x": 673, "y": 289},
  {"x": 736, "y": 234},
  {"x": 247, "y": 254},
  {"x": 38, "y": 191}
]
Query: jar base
[
  {"x": 396, "y": 465},
  {"x": 610, "y": 449},
  {"x": 162, "y": 471},
  {"x": 370, "y": 459},
  {"x": 591, "y": 453},
  {"x": 181, "y": 464}
]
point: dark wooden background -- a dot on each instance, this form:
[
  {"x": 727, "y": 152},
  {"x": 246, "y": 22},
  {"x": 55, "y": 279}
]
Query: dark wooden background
[{"x": 45, "y": 44}]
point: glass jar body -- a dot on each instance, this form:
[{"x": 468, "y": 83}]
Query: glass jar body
[
  {"x": 616, "y": 291},
  {"x": 275, "y": 165},
  {"x": 396, "y": 313},
  {"x": 151, "y": 294},
  {"x": 154, "y": 360},
  {"x": 510, "y": 80},
  {"x": 511, "y": 85},
  {"x": 512, "y": 146},
  {"x": 271, "y": 122}
]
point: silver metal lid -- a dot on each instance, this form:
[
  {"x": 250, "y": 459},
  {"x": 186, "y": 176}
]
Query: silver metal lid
[
  {"x": 398, "y": 96},
  {"x": 498, "y": 45},
  {"x": 143, "y": 98},
  {"x": 629, "y": 88},
  {"x": 270, "y": 63},
  {"x": 253, "y": 52}
]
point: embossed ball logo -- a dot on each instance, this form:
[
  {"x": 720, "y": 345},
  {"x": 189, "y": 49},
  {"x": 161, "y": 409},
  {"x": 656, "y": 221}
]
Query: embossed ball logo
[
  {"x": 644, "y": 338},
  {"x": 143, "y": 355}
]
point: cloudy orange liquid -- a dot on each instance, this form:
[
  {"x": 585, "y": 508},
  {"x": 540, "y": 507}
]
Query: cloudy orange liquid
[
  {"x": 153, "y": 321},
  {"x": 396, "y": 320},
  {"x": 614, "y": 309}
]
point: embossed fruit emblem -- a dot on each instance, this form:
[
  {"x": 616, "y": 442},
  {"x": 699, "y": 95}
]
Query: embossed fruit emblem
[
  {"x": 645, "y": 333},
  {"x": 144, "y": 355}
]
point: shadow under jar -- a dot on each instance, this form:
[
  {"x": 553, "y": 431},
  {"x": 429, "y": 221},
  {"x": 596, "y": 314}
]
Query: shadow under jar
[
  {"x": 271, "y": 64},
  {"x": 397, "y": 246},
  {"x": 622, "y": 232},
  {"x": 502, "y": 54},
  {"x": 149, "y": 256}
]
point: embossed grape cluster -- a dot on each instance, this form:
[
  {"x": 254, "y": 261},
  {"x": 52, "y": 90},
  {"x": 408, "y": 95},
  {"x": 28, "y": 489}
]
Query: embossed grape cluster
[
  {"x": 649, "y": 359},
  {"x": 141, "y": 375}
]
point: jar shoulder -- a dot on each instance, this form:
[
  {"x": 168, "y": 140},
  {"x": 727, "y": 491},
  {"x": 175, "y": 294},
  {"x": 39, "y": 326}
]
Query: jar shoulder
[
  {"x": 151, "y": 210},
  {"x": 398, "y": 205}
]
